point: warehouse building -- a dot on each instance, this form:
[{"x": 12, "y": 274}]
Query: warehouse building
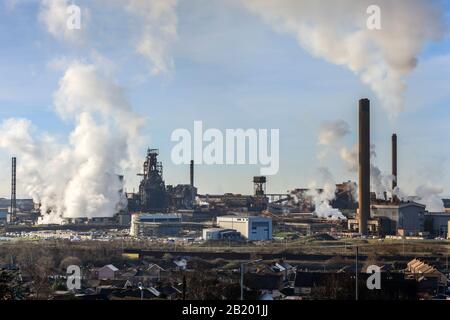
[
  {"x": 388, "y": 218},
  {"x": 436, "y": 223},
  {"x": 155, "y": 225},
  {"x": 250, "y": 227},
  {"x": 407, "y": 218},
  {"x": 220, "y": 234}
]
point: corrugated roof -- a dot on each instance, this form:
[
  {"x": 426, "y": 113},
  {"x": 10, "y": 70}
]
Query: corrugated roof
[{"x": 110, "y": 266}]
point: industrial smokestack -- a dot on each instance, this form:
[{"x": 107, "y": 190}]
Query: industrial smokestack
[
  {"x": 364, "y": 165},
  {"x": 394, "y": 161},
  {"x": 13, "y": 189},
  {"x": 192, "y": 173}
]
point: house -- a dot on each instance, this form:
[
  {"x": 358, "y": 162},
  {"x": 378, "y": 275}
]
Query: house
[
  {"x": 422, "y": 271},
  {"x": 304, "y": 282},
  {"x": 283, "y": 268},
  {"x": 117, "y": 284},
  {"x": 135, "y": 294},
  {"x": 267, "y": 282},
  {"x": 170, "y": 292},
  {"x": 180, "y": 264},
  {"x": 155, "y": 272},
  {"x": 107, "y": 272}
]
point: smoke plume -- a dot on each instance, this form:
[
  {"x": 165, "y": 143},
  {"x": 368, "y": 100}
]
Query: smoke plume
[
  {"x": 323, "y": 198},
  {"x": 333, "y": 131},
  {"x": 152, "y": 25},
  {"x": 330, "y": 137},
  {"x": 337, "y": 32},
  {"x": 430, "y": 196},
  {"x": 78, "y": 179},
  {"x": 159, "y": 31}
]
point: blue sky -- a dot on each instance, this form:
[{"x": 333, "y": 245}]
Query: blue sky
[{"x": 234, "y": 71}]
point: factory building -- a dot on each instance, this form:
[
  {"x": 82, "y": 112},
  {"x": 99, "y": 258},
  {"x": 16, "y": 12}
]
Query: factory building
[
  {"x": 154, "y": 195},
  {"x": 436, "y": 223},
  {"x": 133, "y": 202},
  {"x": 345, "y": 196},
  {"x": 220, "y": 234},
  {"x": 155, "y": 225},
  {"x": 387, "y": 218},
  {"x": 250, "y": 227},
  {"x": 380, "y": 226},
  {"x": 181, "y": 196},
  {"x": 407, "y": 218},
  {"x": 99, "y": 221},
  {"x": 3, "y": 216},
  {"x": 152, "y": 189}
]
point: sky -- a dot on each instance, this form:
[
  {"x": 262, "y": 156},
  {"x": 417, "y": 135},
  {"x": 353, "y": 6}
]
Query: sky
[{"x": 231, "y": 69}]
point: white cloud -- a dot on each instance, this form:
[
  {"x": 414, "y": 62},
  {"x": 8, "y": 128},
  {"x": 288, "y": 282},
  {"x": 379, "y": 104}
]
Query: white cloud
[{"x": 336, "y": 31}]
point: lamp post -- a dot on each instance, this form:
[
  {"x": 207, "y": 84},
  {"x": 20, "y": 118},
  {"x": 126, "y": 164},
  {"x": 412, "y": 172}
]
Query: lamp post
[
  {"x": 142, "y": 290},
  {"x": 243, "y": 264},
  {"x": 356, "y": 274}
]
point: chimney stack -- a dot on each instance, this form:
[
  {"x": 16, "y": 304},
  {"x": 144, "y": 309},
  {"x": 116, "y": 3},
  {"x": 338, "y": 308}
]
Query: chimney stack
[
  {"x": 13, "y": 209},
  {"x": 192, "y": 173},
  {"x": 394, "y": 161},
  {"x": 364, "y": 165}
]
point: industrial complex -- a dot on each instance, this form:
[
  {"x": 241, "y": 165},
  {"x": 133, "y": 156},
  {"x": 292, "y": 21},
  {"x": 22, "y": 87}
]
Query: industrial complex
[{"x": 159, "y": 210}]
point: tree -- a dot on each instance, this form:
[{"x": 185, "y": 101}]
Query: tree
[
  {"x": 10, "y": 286},
  {"x": 68, "y": 261}
]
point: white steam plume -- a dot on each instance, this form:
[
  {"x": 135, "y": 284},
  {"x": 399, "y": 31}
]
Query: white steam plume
[
  {"x": 337, "y": 32},
  {"x": 331, "y": 135},
  {"x": 323, "y": 209},
  {"x": 350, "y": 157},
  {"x": 159, "y": 31},
  {"x": 430, "y": 196},
  {"x": 153, "y": 21},
  {"x": 380, "y": 182},
  {"x": 331, "y": 132},
  {"x": 78, "y": 180}
]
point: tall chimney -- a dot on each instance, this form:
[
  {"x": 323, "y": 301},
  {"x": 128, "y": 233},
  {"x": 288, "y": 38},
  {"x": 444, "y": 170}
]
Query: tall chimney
[
  {"x": 364, "y": 165},
  {"x": 13, "y": 189},
  {"x": 192, "y": 173},
  {"x": 394, "y": 161}
]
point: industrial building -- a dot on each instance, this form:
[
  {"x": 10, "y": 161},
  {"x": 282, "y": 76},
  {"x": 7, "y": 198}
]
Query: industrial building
[
  {"x": 220, "y": 234},
  {"x": 250, "y": 227},
  {"x": 181, "y": 196},
  {"x": 154, "y": 195},
  {"x": 407, "y": 218},
  {"x": 436, "y": 223},
  {"x": 380, "y": 226},
  {"x": 152, "y": 189},
  {"x": 3, "y": 216},
  {"x": 155, "y": 225},
  {"x": 386, "y": 218}
]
